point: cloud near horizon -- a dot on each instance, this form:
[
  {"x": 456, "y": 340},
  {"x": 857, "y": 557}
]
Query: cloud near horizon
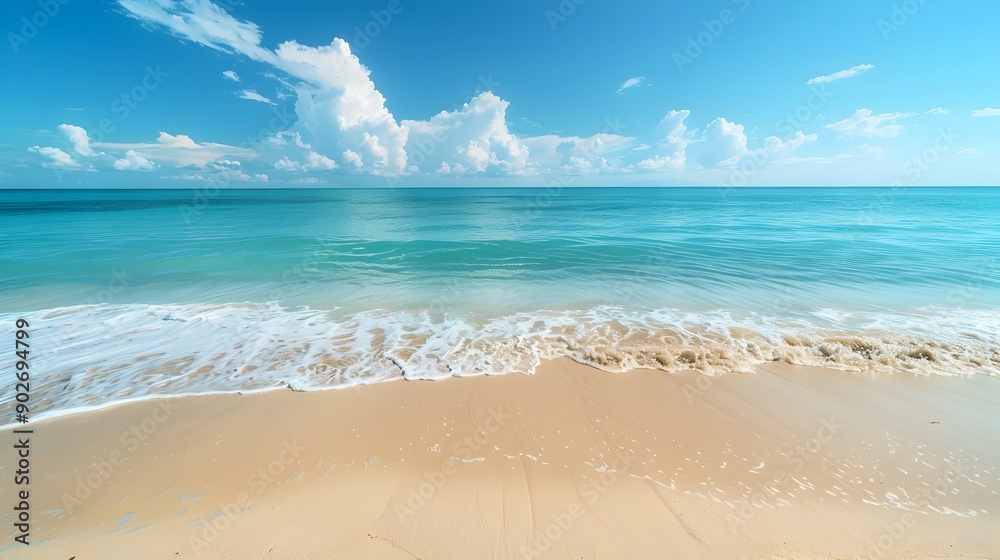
[{"x": 987, "y": 112}]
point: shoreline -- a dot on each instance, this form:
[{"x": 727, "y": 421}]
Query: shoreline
[{"x": 570, "y": 462}]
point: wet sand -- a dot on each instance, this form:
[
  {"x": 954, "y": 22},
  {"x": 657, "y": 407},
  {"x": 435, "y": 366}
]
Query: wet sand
[{"x": 569, "y": 463}]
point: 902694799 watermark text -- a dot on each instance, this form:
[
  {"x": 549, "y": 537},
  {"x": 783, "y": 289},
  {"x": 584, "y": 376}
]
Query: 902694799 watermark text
[{"x": 22, "y": 436}]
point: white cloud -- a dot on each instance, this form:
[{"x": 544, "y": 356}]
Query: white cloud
[
  {"x": 987, "y": 112},
  {"x": 230, "y": 75},
  {"x": 313, "y": 161},
  {"x": 231, "y": 174},
  {"x": 340, "y": 111},
  {"x": 286, "y": 164},
  {"x": 339, "y": 107},
  {"x": 631, "y": 82},
  {"x": 353, "y": 158},
  {"x": 179, "y": 151},
  {"x": 307, "y": 181},
  {"x": 187, "y": 177},
  {"x": 864, "y": 123},
  {"x": 577, "y": 155},
  {"x": 775, "y": 148},
  {"x": 724, "y": 143},
  {"x": 968, "y": 152},
  {"x": 939, "y": 111},
  {"x": 283, "y": 138},
  {"x": 232, "y": 170},
  {"x": 849, "y": 73},
  {"x": 587, "y": 166},
  {"x": 239, "y": 175},
  {"x": 203, "y": 22},
  {"x": 254, "y": 96},
  {"x": 133, "y": 162},
  {"x": 864, "y": 151},
  {"x": 317, "y": 161},
  {"x": 671, "y": 149},
  {"x": 721, "y": 144},
  {"x": 471, "y": 139},
  {"x": 80, "y": 140},
  {"x": 59, "y": 159}
]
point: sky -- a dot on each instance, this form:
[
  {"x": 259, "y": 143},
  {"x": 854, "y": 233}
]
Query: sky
[{"x": 231, "y": 93}]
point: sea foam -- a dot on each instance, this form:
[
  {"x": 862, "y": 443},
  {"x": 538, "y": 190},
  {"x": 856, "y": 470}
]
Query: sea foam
[{"x": 86, "y": 356}]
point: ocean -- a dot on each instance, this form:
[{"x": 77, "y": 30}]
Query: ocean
[{"x": 139, "y": 293}]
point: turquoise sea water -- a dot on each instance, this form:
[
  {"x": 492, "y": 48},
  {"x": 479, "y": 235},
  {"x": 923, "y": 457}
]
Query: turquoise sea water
[{"x": 158, "y": 292}]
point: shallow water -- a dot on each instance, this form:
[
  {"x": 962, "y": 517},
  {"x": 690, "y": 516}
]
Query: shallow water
[{"x": 162, "y": 292}]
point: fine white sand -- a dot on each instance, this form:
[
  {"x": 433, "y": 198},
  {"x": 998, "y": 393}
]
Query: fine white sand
[{"x": 569, "y": 463}]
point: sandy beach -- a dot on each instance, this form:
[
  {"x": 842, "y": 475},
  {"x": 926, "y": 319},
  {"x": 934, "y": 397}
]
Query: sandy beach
[{"x": 569, "y": 463}]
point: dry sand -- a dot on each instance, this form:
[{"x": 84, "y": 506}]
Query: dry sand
[{"x": 569, "y": 463}]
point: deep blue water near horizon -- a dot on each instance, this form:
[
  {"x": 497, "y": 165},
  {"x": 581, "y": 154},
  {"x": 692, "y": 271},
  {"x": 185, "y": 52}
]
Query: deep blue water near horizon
[{"x": 428, "y": 282}]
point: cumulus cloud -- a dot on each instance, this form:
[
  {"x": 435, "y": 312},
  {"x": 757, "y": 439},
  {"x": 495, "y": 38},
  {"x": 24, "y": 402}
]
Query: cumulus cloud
[
  {"x": 353, "y": 158},
  {"x": 337, "y": 104},
  {"x": 313, "y": 161},
  {"x": 79, "y": 138},
  {"x": 232, "y": 170},
  {"x": 849, "y": 73},
  {"x": 987, "y": 112},
  {"x": 133, "y": 162},
  {"x": 864, "y": 123},
  {"x": 471, "y": 139},
  {"x": 339, "y": 107},
  {"x": 286, "y": 138},
  {"x": 775, "y": 147},
  {"x": 317, "y": 161},
  {"x": 307, "y": 181},
  {"x": 630, "y": 83},
  {"x": 254, "y": 96},
  {"x": 724, "y": 143},
  {"x": 671, "y": 148},
  {"x": 721, "y": 144},
  {"x": 577, "y": 155},
  {"x": 58, "y": 158},
  {"x": 286, "y": 164},
  {"x": 341, "y": 112}
]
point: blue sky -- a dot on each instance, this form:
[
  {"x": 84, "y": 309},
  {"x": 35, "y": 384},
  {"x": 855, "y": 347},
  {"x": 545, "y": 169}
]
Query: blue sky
[{"x": 158, "y": 93}]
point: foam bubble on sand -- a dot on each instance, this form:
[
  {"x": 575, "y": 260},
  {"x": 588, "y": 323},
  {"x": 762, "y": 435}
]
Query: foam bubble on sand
[{"x": 97, "y": 354}]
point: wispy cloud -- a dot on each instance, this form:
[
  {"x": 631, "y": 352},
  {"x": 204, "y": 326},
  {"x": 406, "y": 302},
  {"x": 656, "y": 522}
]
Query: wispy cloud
[
  {"x": 230, "y": 75},
  {"x": 307, "y": 181},
  {"x": 987, "y": 112},
  {"x": 254, "y": 96},
  {"x": 630, "y": 83},
  {"x": 58, "y": 158},
  {"x": 843, "y": 74},
  {"x": 179, "y": 150},
  {"x": 864, "y": 123}
]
